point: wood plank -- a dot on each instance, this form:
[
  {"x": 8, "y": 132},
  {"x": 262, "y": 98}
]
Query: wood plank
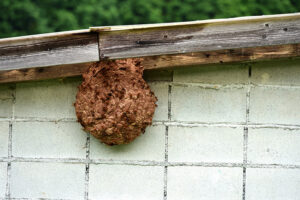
[
  {"x": 199, "y": 37},
  {"x": 41, "y": 73},
  {"x": 48, "y": 50},
  {"x": 162, "y": 62},
  {"x": 223, "y": 56},
  {"x": 164, "y": 45}
]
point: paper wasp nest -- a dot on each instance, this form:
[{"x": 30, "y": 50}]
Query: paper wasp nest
[{"x": 114, "y": 103}]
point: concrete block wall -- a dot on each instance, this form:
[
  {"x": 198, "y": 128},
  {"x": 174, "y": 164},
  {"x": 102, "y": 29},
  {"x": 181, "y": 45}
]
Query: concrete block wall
[{"x": 220, "y": 132}]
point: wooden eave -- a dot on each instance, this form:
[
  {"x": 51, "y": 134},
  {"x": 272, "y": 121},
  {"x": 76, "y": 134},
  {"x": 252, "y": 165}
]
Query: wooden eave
[{"x": 165, "y": 45}]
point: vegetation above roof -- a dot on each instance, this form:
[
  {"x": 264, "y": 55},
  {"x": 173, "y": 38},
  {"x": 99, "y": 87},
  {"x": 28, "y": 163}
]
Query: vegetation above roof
[{"x": 24, "y": 17}]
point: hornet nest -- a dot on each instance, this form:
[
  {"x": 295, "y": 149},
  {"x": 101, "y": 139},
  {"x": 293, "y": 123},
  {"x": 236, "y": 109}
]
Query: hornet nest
[{"x": 114, "y": 103}]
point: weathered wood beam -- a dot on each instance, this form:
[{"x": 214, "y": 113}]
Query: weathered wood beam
[
  {"x": 41, "y": 73},
  {"x": 161, "y": 45},
  {"x": 48, "y": 50},
  {"x": 200, "y": 36},
  {"x": 162, "y": 62},
  {"x": 223, "y": 56}
]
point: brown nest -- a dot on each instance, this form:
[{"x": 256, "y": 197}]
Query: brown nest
[{"x": 114, "y": 103}]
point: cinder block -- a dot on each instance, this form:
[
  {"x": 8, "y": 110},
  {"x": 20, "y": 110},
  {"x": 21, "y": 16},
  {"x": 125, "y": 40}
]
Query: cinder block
[
  {"x": 274, "y": 146},
  {"x": 161, "y": 92},
  {"x": 47, "y": 99},
  {"x": 285, "y": 72},
  {"x": 4, "y": 132},
  {"x": 213, "y": 74},
  {"x": 3, "y": 178},
  {"x": 48, "y": 140},
  {"x": 158, "y": 75},
  {"x": 275, "y": 105},
  {"x": 205, "y": 183},
  {"x": 273, "y": 184},
  {"x": 123, "y": 182},
  {"x": 149, "y": 146},
  {"x": 6, "y": 108},
  {"x": 192, "y": 103},
  {"x": 205, "y": 144},
  {"x": 47, "y": 180}
]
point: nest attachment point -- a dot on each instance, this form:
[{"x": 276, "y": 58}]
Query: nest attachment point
[{"x": 114, "y": 103}]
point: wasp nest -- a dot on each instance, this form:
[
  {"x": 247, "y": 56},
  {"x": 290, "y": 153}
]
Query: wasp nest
[{"x": 114, "y": 103}]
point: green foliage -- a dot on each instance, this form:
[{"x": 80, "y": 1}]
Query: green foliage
[{"x": 23, "y": 17}]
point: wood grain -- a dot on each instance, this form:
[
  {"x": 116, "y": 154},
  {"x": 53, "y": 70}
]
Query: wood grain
[
  {"x": 48, "y": 51},
  {"x": 223, "y": 56},
  {"x": 41, "y": 73},
  {"x": 162, "y": 62},
  {"x": 198, "y": 38},
  {"x": 165, "y": 45}
]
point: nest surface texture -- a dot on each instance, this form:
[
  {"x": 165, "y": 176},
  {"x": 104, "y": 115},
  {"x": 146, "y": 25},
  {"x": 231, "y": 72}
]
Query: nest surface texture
[{"x": 114, "y": 103}]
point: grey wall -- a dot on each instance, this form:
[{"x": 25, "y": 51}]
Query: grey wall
[{"x": 219, "y": 132}]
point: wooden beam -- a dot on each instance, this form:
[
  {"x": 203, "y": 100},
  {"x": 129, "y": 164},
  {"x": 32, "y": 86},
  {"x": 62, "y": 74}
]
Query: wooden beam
[
  {"x": 48, "y": 50},
  {"x": 161, "y": 45},
  {"x": 162, "y": 62},
  {"x": 223, "y": 56},
  {"x": 199, "y": 36},
  {"x": 41, "y": 73}
]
